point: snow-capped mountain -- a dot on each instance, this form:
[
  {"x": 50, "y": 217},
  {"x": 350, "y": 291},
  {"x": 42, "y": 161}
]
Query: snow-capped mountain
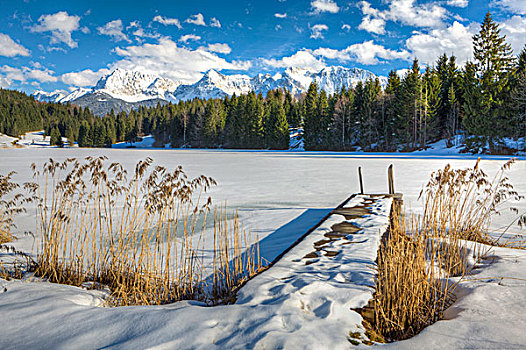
[
  {"x": 55, "y": 96},
  {"x": 75, "y": 94},
  {"x": 134, "y": 86},
  {"x": 214, "y": 85},
  {"x": 128, "y": 88}
]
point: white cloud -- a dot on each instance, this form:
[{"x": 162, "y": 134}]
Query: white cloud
[
  {"x": 61, "y": 25},
  {"x": 301, "y": 59},
  {"x": 515, "y": 30},
  {"x": 12, "y": 74},
  {"x": 277, "y": 27},
  {"x": 84, "y": 78},
  {"x": 139, "y": 32},
  {"x": 402, "y": 72},
  {"x": 114, "y": 29},
  {"x": 43, "y": 76},
  {"x": 280, "y": 15},
  {"x": 214, "y": 22},
  {"x": 219, "y": 48},
  {"x": 9, "y": 48},
  {"x": 168, "y": 59},
  {"x": 425, "y": 15},
  {"x": 319, "y": 6},
  {"x": 366, "y": 53},
  {"x": 187, "y": 37},
  {"x": 5, "y": 83},
  {"x": 406, "y": 12},
  {"x": 26, "y": 74},
  {"x": 198, "y": 20},
  {"x": 168, "y": 21},
  {"x": 458, "y": 3},
  {"x": 455, "y": 39},
  {"x": 373, "y": 25},
  {"x": 346, "y": 27},
  {"x": 317, "y": 31},
  {"x": 369, "y": 52},
  {"x": 513, "y": 6}
]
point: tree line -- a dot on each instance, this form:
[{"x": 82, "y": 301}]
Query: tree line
[{"x": 485, "y": 100}]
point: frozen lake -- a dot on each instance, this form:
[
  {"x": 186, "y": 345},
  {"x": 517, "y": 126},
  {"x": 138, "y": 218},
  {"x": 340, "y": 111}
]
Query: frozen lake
[
  {"x": 279, "y": 195},
  {"x": 282, "y": 193}
]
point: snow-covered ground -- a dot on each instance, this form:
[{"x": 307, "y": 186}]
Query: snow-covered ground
[
  {"x": 299, "y": 302},
  {"x": 32, "y": 139},
  {"x": 142, "y": 142},
  {"x": 279, "y": 195}
]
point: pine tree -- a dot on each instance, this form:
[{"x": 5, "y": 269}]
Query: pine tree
[
  {"x": 393, "y": 83},
  {"x": 210, "y": 125},
  {"x": 55, "y": 137},
  {"x": 408, "y": 107},
  {"x": 516, "y": 103},
  {"x": 311, "y": 126},
  {"x": 493, "y": 61},
  {"x": 277, "y": 127},
  {"x": 432, "y": 101}
]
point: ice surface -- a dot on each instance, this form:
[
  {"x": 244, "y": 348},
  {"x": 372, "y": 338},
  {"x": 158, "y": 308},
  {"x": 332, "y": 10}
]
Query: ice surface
[{"x": 279, "y": 195}]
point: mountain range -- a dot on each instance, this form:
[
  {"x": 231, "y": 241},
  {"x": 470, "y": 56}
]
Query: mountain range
[{"x": 125, "y": 90}]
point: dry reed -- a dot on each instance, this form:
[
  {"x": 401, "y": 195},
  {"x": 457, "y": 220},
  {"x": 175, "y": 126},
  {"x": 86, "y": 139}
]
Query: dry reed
[
  {"x": 419, "y": 256},
  {"x": 10, "y": 206},
  {"x": 140, "y": 237}
]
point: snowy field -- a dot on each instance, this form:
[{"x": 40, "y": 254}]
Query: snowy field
[
  {"x": 32, "y": 139},
  {"x": 279, "y": 195}
]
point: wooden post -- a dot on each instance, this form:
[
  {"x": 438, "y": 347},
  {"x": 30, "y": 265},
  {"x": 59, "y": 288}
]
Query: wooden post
[
  {"x": 360, "y": 178},
  {"x": 390, "y": 179}
]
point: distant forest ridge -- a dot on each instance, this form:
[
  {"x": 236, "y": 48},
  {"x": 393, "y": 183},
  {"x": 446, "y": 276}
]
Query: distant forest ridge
[{"x": 485, "y": 100}]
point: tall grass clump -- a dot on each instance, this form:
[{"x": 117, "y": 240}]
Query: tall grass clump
[
  {"x": 139, "y": 236},
  {"x": 10, "y": 205},
  {"x": 461, "y": 202},
  {"x": 420, "y": 255}
]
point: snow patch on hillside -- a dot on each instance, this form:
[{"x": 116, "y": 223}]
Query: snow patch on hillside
[{"x": 31, "y": 139}]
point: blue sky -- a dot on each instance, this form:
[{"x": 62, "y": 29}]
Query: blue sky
[{"x": 61, "y": 45}]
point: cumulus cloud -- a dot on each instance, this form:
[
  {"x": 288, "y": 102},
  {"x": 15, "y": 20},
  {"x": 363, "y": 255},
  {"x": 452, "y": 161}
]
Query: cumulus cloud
[
  {"x": 455, "y": 39},
  {"x": 198, "y": 20},
  {"x": 187, "y": 37},
  {"x": 115, "y": 30},
  {"x": 168, "y": 59},
  {"x": 424, "y": 15},
  {"x": 219, "y": 48},
  {"x": 168, "y": 21},
  {"x": 280, "y": 15},
  {"x": 301, "y": 59},
  {"x": 27, "y": 74},
  {"x": 9, "y": 48},
  {"x": 83, "y": 78},
  {"x": 60, "y": 25},
  {"x": 319, "y": 6},
  {"x": 458, "y": 3},
  {"x": 513, "y": 6},
  {"x": 214, "y": 22},
  {"x": 515, "y": 30},
  {"x": 366, "y": 53},
  {"x": 405, "y": 12},
  {"x": 317, "y": 31},
  {"x": 5, "y": 83},
  {"x": 12, "y": 74},
  {"x": 42, "y": 76},
  {"x": 141, "y": 33},
  {"x": 373, "y": 25}
]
